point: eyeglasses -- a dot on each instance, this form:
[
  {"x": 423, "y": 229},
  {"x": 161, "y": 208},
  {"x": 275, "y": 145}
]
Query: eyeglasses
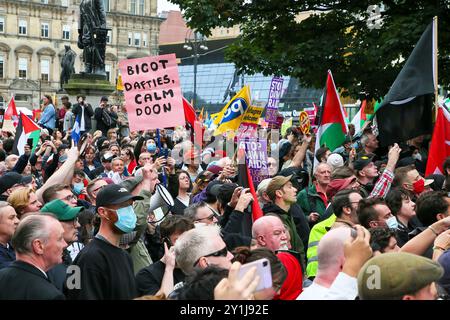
[
  {"x": 210, "y": 218},
  {"x": 69, "y": 197},
  {"x": 271, "y": 164},
  {"x": 220, "y": 253}
]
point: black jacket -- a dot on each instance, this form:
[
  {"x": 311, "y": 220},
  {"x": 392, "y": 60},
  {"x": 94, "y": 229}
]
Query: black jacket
[
  {"x": 88, "y": 113},
  {"x": 23, "y": 281},
  {"x": 101, "y": 125}
]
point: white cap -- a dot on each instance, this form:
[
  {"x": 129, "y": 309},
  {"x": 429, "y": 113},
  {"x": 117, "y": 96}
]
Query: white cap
[
  {"x": 335, "y": 160},
  {"x": 262, "y": 186}
]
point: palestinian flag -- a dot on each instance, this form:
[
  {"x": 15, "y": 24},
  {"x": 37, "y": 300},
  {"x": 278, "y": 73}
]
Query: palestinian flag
[
  {"x": 361, "y": 117},
  {"x": 332, "y": 127},
  {"x": 26, "y": 129},
  {"x": 406, "y": 111}
]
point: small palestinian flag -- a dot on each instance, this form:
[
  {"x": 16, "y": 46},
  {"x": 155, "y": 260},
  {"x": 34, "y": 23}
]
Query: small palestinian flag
[{"x": 26, "y": 129}]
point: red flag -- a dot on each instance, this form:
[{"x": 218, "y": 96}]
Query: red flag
[
  {"x": 189, "y": 113},
  {"x": 440, "y": 143},
  {"x": 245, "y": 180},
  {"x": 11, "y": 112}
]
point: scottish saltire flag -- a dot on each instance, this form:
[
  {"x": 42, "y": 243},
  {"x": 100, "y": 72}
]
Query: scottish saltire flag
[{"x": 76, "y": 130}]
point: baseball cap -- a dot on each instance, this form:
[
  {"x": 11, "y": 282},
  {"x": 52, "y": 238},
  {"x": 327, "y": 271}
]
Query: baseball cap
[
  {"x": 61, "y": 210},
  {"x": 276, "y": 184},
  {"x": 362, "y": 161},
  {"x": 212, "y": 189},
  {"x": 114, "y": 194},
  {"x": 107, "y": 157},
  {"x": 399, "y": 273},
  {"x": 262, "y": 186},
  {"x": 9, "y": 179}
]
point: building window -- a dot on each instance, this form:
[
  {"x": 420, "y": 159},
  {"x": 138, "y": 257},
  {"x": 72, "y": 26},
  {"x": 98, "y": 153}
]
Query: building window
[
  {"x": 44, "y": 1},
  {"x": 66, "y": 32},
  {"x": 23, "y": 27},
  {"x": 2, "y": 24},
  {"x": 130, "y": 38},
  {"x": 133, "y": 6},
  {"x": 144, "y": 40},
  {"x": 141, "y": 7},
  {"x": 109, "y": 37},
  {"x": 2, "y": 103},
  {"x": 137, "y": 39},
  {"x": 45, "y": 69},
  {"x": 23, "y": 67},
  {"x": 44, "y": 30},
  {"x": 65, "y": 3},
  {"x": 106, "y": 5},
  {"x": 2, "y": 67},
  {"x": 108, "y": 72}
]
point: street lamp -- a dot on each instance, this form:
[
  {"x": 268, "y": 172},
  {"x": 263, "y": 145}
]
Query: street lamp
[{"x": 196, "y": 44}]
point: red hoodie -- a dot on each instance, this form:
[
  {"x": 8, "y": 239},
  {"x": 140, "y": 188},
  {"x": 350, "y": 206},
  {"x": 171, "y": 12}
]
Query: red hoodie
[{"x": 293, "y": 285}]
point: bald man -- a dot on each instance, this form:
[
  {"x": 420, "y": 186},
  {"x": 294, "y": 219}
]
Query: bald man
[
  {"x": 270, "y": 232},
  {"x": 11, "y": 161},
  {"x": 341, "y": 253}
]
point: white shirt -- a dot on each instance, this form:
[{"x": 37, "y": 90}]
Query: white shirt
[{"x": 343, "y": 287}]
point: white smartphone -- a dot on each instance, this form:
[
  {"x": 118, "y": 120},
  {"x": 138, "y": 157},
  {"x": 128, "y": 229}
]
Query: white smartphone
[{"x": 262, "y": 269}]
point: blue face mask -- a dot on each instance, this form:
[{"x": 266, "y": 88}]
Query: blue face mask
[
  {"x": 392, "y": 223},
  {"x": 78, "y": 187},
  {"x": 151, "y": 148},
  {"x": 126, "y": 219}
]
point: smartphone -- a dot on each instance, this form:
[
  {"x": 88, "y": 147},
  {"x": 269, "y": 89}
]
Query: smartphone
[
  {"x": 30, "y": 142},
  {"x": 263, "y": 270}
]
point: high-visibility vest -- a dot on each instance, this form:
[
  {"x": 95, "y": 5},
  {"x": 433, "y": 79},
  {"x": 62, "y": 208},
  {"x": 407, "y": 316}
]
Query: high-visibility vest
[{"x": 317, "y": 232}]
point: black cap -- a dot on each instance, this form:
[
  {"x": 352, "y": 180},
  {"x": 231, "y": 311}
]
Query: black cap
[
  {"x": 104, "y": 98},
  {"x": 212, "y": 189},
  {"x": 11, "y": 178},
  {"x": 226, "y": 192},
  {"x": 114, "y": 194},
  {"x": 362, "y": 161}
]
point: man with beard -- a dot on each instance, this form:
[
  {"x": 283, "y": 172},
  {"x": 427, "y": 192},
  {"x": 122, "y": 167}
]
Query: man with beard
[
  {"x": 345, "y": 205},
  {"x": 106, "y": 269},
  {"x": 68, "y": 217}
]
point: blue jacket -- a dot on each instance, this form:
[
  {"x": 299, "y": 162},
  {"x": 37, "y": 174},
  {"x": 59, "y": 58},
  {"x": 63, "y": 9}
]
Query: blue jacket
[{"x": 48, "y": 117}]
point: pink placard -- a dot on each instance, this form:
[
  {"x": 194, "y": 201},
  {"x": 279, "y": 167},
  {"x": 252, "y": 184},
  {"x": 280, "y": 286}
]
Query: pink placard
[{"x": 152, "y": 92}]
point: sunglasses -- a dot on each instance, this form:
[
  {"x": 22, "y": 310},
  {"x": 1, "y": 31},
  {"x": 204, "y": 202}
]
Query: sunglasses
[{"x": 220, "y": 253}]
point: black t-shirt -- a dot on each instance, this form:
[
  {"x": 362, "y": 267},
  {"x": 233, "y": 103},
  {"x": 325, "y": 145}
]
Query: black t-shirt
[
  {"x": 106, "y": 273},
  {"x": 149, "y": 279}
]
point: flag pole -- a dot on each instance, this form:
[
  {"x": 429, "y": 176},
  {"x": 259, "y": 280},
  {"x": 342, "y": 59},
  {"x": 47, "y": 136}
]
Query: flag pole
[{"x": 435, "y": 65}]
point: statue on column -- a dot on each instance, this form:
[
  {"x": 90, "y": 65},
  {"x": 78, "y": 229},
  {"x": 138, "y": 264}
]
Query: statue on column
[
  {"x": 67, "y": 68},
  {"x": 92, "y": 33}
]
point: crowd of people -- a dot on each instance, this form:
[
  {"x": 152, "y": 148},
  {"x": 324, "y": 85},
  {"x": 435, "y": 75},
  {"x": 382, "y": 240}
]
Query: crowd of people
[{"x": 80, "y": 221}]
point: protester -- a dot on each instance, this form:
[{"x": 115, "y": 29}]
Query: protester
[
  {"x": 83, "y": 112},
  {"x": 8, "y": 225},
  {"x": 39, "y": 243},
  {"x": 48, "y": 117},
  {"x": 24, "y": 200}
]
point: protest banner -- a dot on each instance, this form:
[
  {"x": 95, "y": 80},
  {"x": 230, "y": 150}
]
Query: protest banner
[
  {"x": 276, "y": 87},
  {"x": 256, "y": 157},
  {"x": 152, "y": 92},
  {"x": 252, "y": 115}
]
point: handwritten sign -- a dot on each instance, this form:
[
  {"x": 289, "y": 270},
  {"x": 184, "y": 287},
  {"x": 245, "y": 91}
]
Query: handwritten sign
[
  {"x": 152, "y": 92},
  {"x": 305, "y": 124},
  {"x": 256, "y": 157},
  {"x": 253, "y": 114},
  {"x": 276, "y": 86}
]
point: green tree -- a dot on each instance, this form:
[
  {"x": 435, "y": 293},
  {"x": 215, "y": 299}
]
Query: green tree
[{"x": 334, "y": 35}]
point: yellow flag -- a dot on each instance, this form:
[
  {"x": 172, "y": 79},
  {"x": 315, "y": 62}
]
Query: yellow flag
[
  {"x": 230, "y": 117},
  {"x": 119, "y": 86}
]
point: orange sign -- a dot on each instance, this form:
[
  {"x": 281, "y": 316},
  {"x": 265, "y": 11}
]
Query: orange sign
[{"x": 305, "y": 124}]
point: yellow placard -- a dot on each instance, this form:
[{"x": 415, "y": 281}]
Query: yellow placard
[{"x": 253, "y": 114}]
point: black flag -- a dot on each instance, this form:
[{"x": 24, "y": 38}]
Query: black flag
[{"x": 406, "y": 111}]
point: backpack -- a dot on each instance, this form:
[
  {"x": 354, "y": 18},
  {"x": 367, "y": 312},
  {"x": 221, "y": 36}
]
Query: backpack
[{"x": 106, "y": 118}]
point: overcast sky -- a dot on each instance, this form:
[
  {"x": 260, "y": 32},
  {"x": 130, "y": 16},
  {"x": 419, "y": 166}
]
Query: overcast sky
[{"x": 165, "y": 5}]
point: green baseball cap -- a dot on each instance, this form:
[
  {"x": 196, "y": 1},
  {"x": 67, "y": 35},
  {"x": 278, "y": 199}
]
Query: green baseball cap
[
  {"x": 390, "y": 276},
  {"x": 61, "y": 210}
]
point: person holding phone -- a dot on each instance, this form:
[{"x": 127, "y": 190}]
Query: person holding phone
[{"x": 85, "y": 112}]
